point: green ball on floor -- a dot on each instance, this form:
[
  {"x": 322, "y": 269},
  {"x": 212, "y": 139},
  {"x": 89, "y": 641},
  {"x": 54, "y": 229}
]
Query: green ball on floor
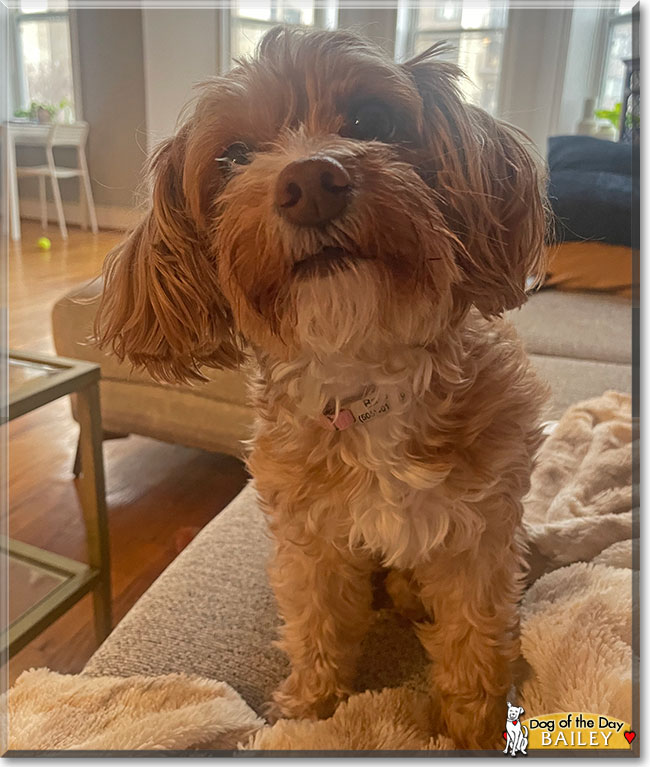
[{"x": 44, "y": 243}]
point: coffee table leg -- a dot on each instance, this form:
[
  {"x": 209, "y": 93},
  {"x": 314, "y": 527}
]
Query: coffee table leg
[{"x": 93, "y": 501}]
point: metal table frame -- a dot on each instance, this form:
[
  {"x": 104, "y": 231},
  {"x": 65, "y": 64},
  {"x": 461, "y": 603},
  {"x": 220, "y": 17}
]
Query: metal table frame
[{"x": 67, "y": 376}]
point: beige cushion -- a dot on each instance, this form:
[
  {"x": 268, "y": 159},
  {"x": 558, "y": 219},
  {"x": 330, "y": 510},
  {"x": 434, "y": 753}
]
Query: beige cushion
[
  {"x": 177, "y": 415},
  {"x": 72, "y": 326},
  {"x": 586, "y": 326},
  {"x": 211, "y": 416}
]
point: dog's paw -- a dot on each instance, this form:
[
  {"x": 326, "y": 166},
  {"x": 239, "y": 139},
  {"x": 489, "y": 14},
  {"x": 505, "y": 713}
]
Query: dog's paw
[
  {"x": 400, "y": 589},
  {"x": 474, "y": 722},
  {"x": 294, "y": 699},
  {"x": 271, "y": 712}
]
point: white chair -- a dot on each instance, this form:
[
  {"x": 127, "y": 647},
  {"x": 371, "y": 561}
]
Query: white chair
[{"x": 74, "y": 135}]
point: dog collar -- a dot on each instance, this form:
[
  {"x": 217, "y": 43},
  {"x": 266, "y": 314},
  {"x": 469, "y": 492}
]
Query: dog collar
[{"x": 361, "y": 410}]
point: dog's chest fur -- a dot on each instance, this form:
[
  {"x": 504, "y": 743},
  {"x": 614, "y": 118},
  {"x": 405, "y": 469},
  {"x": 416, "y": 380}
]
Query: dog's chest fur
[{"x": 380, "y": 486}]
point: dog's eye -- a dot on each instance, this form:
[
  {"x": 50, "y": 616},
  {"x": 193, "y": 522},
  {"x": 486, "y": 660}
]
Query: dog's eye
[
  {"x": 237, "y": 154},
  {"x": 372, "y": 120}
]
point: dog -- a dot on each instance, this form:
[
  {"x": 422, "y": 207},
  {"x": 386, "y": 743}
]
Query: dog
[
  {"x": 357, "y": 230},
  {"x": 516, "y": 733}
]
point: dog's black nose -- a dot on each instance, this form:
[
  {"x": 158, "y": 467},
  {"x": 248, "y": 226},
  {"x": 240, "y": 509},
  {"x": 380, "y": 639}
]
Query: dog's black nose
[{"x": 312, "y": 191}]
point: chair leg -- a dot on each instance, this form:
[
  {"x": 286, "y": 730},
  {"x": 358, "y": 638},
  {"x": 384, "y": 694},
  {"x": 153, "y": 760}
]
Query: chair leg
[
  {"x": 59, "y": 207},
  {"x": 43, "y": 198},
  {"x": 83, "y": 205},
  {"x": 88, "y": 192},
  {"x": 56, "y": 192}
]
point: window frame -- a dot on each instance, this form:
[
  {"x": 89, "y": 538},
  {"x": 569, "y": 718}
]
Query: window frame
[
  {"x": 410, "y": 21},
  {"x": 225, "y": 19},
  {"x": 405, "y": 42},
  {"x": 611, "y": 19},
  {"x": 19, "y": 88}
]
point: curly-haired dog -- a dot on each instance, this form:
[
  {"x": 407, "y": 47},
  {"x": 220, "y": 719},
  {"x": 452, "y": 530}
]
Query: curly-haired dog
[{"x": 361, "y": 229}]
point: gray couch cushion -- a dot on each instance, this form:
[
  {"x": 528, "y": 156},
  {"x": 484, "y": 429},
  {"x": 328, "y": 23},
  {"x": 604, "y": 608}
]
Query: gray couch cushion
[
  {"x": 573, "y": 380},
  {"x": 588, "y": 326},
  {"x": 212, "y": 613}
]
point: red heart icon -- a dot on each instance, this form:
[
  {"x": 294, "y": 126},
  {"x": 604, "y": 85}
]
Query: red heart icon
[
  {"x": 630, "y": 735},
  {"x": 505, "y": 735}
]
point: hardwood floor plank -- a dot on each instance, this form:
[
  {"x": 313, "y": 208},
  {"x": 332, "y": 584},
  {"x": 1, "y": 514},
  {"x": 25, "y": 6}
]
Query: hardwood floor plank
[{"x": 155, "y": 491}]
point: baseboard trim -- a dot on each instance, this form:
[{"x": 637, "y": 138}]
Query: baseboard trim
[{"x": 108, "y": 216}]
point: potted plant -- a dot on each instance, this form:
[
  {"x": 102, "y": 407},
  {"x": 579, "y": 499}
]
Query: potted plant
[{"x": 45, "y": 113}]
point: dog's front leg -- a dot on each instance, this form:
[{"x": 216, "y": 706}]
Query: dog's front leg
[
  {"x": 523, "y": 744},
  {"x": 324, "y": 597},
  {"x": 473, "y": 640}
]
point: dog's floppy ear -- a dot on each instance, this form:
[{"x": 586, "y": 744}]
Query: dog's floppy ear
[
  {"x": 490, "y": 188},
  {"x": 162, "y": 307}
]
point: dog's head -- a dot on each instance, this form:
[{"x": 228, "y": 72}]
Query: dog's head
[
  {"x": 322, "y": 196},
  {"x": 514, "y": 712}
]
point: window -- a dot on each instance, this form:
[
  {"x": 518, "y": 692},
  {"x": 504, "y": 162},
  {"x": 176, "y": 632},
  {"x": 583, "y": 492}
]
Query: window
[
  {"x": 42, "y": 57},
  {"x": 250, "y": 19},
  {"x": 475, "y": 36},
  {"x": 619, "y": 48}
]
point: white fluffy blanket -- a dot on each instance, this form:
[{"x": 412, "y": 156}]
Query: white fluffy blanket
[{"x": 576, "y": 632}]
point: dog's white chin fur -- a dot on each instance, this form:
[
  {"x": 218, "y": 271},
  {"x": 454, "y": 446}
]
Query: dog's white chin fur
[{"x": 352, "y": 310}]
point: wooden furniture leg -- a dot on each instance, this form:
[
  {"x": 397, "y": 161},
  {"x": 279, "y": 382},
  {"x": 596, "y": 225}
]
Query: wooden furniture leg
[
  {"x": 93, "y": 501},
  {"x": 106, "y": 435}
]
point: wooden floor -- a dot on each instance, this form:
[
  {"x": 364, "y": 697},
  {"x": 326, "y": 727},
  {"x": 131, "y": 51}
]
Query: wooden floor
[{"x": 155, "y": 491}]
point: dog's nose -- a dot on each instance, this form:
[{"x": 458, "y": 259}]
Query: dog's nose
[{"x": 312, "y": 191}]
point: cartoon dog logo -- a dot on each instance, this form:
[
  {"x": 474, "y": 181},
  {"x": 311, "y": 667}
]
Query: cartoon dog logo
[{"x": 516, "y": 732}]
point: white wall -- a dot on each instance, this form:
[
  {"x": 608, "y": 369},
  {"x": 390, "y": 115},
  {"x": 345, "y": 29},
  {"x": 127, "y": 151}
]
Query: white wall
[
  {"x": 180, "y": 49},
  {"x": 533, "y": 70},
  {"x": 377, "y": 24},
  {"x": 111, "y": 82}
]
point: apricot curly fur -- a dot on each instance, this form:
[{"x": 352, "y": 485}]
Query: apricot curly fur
[{"x": 445, "y": 226}]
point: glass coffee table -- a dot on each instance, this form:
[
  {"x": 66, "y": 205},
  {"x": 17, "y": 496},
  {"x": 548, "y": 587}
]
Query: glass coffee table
[{"x": 43, "y": 585}]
